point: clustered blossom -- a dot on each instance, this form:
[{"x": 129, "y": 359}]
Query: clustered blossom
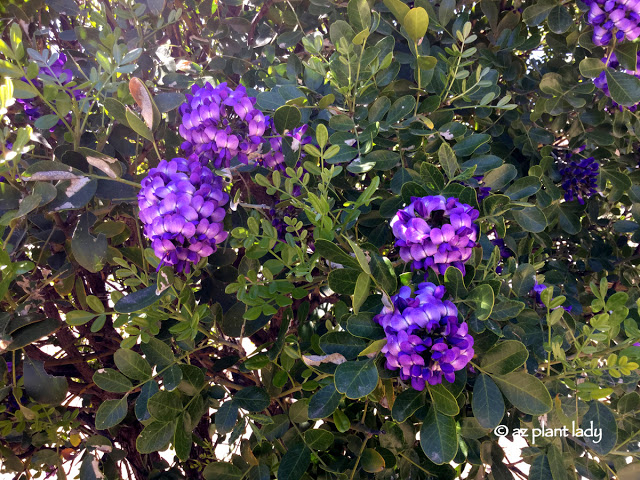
[
  {"x": 181, "y": 209},
  {"x": 614, "y": 17},
  {"x": 436, "y": 232},
  {"x": 59, "y": 75},
  {"x": 425, "y": 340},
  {"x": 219, "y": 123},
  {"x": 580, "y": 179}
]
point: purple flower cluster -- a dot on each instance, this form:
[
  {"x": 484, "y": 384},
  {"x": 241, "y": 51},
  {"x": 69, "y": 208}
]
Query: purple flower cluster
[
  {"x": 425, "y": 340},
  {"x": 219, "y": 123},
  {"x": 58, "y": 74},
  {"x": 580, "y": 179},
  {"x": 181, "y": 209},
  {"x": 436, "y": 232},
  {"x": 609, "y": 17}
]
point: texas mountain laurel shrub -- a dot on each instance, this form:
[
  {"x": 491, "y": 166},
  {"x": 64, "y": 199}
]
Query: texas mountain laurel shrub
[{"x": 306, "y": 239}]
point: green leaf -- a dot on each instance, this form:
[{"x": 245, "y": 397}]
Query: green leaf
[
  {"x": 448, "y": 160},
  {"x": 559, "y": 19},
  {"x": 600, "y": 417},
  {"x": 318, "y": 439},
  {"x": 158, "y": 353},
  {"x": 487, "y": 402},
  {"x": 531, "y": 219},
  {"x": 294, "y": 463},
  {"x": 624, "y": 88},
  {"x": 110, "y": 413},
  {"x": 497, "y": 178},
  {"x": 222, "y": 471},
  {"x": 556, "y": 462},
  {"x": 116, "y": 110},
  {"x": 426, "y": 62},
  {"x": 78, "y": 317},
  {"x": 383, "y": 273},
  {"x": 132, "y": 364},
  {"x": 504, "y": 357},
  {"x": 523, "y": 280},
  {"x": 341, "y": 123},
  {"x": 360, "y": 256},
  {"x": 359, "y": 14},
  {"x": 361, "y": 292},
  {"x": 182, "y": 439},
  {"x": 253, "y": 399},
  {"x": 286, "y": 117},
  {"x": 172, "y": 377},
  {"x": 470, "y": 144},
  {"x": 443, "y": 401},
  {"x": 155, "y": 437},
  {"x": 356, "y": 379},
  {"x": 168, "y": 101},
  {"x": 591, "y": 67},
  {"x": 383, "y": 159},
  {"x": 398, "y": 8},
  {"x": 46, "y": 122},
  {"x": 416, "y": 22},
  {"x": 363, "y": 325},
  {"x": 165, "y": 406},
  {"x": 432, "y": 177},
  {"x": 438, "y": 437},
  {"x": 540, "y": 469},
  {"x": 138, "y": 125},
  {"x": 192, "y": 380},
  {"x": 536, "y": 14},
  {"x": 41, "y": 386},
  {"x": 89, "y": 251},
  {"x": 379, "y": 108},
  {"x": 322, "y": 135},
  {"x": 139, "y": 300},
  {"x": 343, "y": 343},
  {"x": 406, "y": 404},
  {"x": 343, "y": 280},
  {"x": 372, "y": 461},
  {"x": 481, "y": 298},
  {"x": 148, "y": 390},
  {"x": 324, "y": 402},
  {"x": 525, "y": 392},
  {"x": 523, "y": 188},
  {"x": 454, "y": 283},
  {"x": 401, "y": 108},
  {"x": 226, "y": 417},
  {"x": 111, "y": 380}
]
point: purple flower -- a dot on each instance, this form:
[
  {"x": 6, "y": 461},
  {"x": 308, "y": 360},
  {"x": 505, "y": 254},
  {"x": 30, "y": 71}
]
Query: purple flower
[
  {"x": 425, "y": 340},
  {"x": 614, "y": 17},
  {"x": 219, "y": 123},
  {"x": 580, "y": 178},
  {"x": 181, "y": 209},
  {"x": 436, "y": 232}
]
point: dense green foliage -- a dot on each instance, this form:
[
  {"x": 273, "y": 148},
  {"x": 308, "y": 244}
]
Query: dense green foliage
[{"x": 106, "y": 359}]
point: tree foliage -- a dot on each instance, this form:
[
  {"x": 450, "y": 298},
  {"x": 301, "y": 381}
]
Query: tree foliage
[{"x": 266, "y": 359}]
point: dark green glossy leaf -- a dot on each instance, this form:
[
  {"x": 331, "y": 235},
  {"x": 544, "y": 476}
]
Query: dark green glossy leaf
[
  {"x": 356, "y": 379},
  {"x": 438, "y": 437},
  {"x": 487, "y": 403}
]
